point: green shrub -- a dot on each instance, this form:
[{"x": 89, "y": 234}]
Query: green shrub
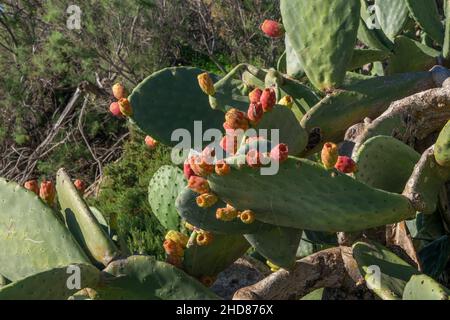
[{"x": 123, "y": 195}]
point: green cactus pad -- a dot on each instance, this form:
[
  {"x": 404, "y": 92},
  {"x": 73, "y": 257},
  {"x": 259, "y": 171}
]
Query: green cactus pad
[
  {"x": 215, "y": 257},
  {"x": 442, "y": 147},
  {"x": 435, "y": 256},
  {"x": 171, "y": 99},
  {"x": 278, "y": 245},
  {"x": 426, "y": 14},
  {"x": 144, "y": 278},
  {"x": 335, "y": 24},
  {"x": 231, "y": 91},
  {"x": 163, "y": 190},
  {"x": 32, "y": 238},
  {"x": 54, "y": 284},
  {"x": 385, "y": 163},
  {"x": 422, "y": 287},
  {"x": 392, "y": 16},
  {"x": 425, "y": 183},
  {"x": 369, "y": 32},
  {"x": 315, "y": 295},
  {"x": 82, "y": 222},
  {"x": 362, "y": 57},
  {"x": 290, "y": 132},
  {"x": 446, "y": 46},
  {"x": 357, "y": 100},
  {"x": 101, "y": 219},
  {"x": 293, "y": 65},
  {"x": 410, "y": 56},
  {"x": 301, "y": 194},
  {"x": 304, "y": 97},
  {"x": 385, "y": 273},
  {"x": 205, "y": 218}
]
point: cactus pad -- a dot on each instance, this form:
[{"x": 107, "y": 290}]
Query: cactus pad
[
  {"x": 442, "y": 147},
  {"x": 82, "y": 222},
  {"x": 144, "y": 278},
  {"x": 335, "y": 24},
  {"x": 385, "y": 273},
  {"x": 215, "y": 257},
  {"x": 385, "y": 163},
  {"x": 163, "y": 191},
  {"x": 205, "y": 218},
  {"x": 314, "y": 190},
  {"x": 422, "y": 287},
  {"x": 53, "y": 284},
  {"x": 32, "y": 238},
  {"x": 278, "y": 245},
  {"x": 171, "y": 99}
]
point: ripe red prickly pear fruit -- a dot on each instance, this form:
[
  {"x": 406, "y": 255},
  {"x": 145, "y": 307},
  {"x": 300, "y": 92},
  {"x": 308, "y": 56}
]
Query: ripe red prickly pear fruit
[
  {"x": 255, "y": 112},
  {"x": 268, "y": 99},
  {"x": 253, "y": 159},
  {"x": 32, "y": 185},
  {"x": 272, "y": 28},
  {"x": 235, "y": 119},
  {"x": 204, "y": 238},
  {"x": 247, "y": 216},
  {"x": 150, "y": 142},
  {"x": 206, "y": 200},
  {"x": 255, "y": 95},
  {"x": 125, "y": 107},
  {"x": 119, "y": 91},
  {"x": 279, "y": 153},
  {"x": 198, "y": 184},
  {"x": 345, "y": 164},
  {"x": 200, "y": 165},
  {"x": 47, "y": 192},
  {"x": 80, "y": 185},
  {"x": 187, "y": 170},
  {"x": 329, "y": 155},
  {"x": 222, "y": 168},
  {"x": 206, "y": 84},
  {"x": 174, "y": 260},
  {"x": 114, "y": 108},
  {"x": 173, "y": 248}
]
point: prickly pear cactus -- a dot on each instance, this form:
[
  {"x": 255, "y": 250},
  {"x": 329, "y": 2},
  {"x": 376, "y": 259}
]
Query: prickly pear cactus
[
  {"x": 163, "y": 190},
  {"x": 442, "y": 147},
  {"x": 422, "y": 287},
  {"x": 314, "y": 190},
  {"x": 32, "y": 238},
  {"x": 385, "y": 273},
  {"x": 82, "y": 222},
  {"x": 171, "y": 99},
  {"x": 392, "y": 16},
  {"x": 144, "y": 278},
  {"x": 54, "y": 284},
  {"x": 211, "y": 259},
  {"x": 205, "y": 218},
  {"x": 335, "y": 24},
  {"x": 278, "y": 245},
  {"x": 385, "y": 163},
  {"x": 358, "y": 99}
]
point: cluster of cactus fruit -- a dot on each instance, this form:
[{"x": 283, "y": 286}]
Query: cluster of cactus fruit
[{"x": 348, "y": 148}]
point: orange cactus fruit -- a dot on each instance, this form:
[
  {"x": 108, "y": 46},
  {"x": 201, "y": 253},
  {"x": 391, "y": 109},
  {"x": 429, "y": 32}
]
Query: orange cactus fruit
[{"x": 206, "y": 200}]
